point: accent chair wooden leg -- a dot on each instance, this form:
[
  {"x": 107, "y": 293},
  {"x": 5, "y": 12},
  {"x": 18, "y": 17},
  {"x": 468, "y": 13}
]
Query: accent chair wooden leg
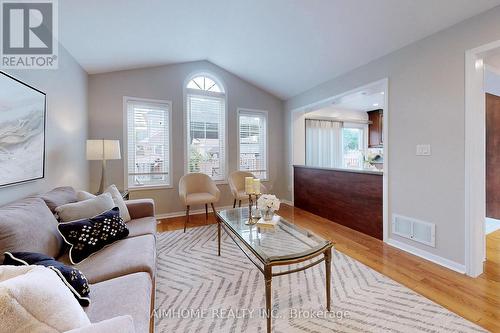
[
  {"x": 187, "y": 218},
  {"x": 234, "y": 203},
  {"x": 213, "y": 209},
  {"x": 206, "y": 211},
  {"x": 239, "y": 203}
]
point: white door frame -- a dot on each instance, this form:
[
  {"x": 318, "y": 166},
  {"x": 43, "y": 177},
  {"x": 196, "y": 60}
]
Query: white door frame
[
  {"x": 328, "y": 101},
  {"x": 475, "y": 159}
]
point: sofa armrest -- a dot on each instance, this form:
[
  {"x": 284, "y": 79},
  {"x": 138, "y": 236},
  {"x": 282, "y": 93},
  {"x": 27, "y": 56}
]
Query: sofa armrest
[
  {"x": 139, "y": 208},
  {"x": 122, "y": 324}
]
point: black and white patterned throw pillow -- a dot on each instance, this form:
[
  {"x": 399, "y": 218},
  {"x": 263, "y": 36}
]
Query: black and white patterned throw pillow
[
  {"x": 87, "y": 236},
  {"x": 73, "y": 279}
]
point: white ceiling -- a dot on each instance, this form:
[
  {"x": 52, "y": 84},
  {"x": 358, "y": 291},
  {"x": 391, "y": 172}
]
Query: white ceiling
[
  {"x": 282, "y": 46},
  {"x": 364, "y": 100},
  {"x": 354, "y": 105}
]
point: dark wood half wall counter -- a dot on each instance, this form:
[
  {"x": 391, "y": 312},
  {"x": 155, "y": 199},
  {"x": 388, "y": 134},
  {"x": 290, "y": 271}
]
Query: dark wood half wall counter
[{"x": 351, "y": 197}]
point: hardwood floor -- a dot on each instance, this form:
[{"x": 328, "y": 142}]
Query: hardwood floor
[{"x": 477, "y": 300}]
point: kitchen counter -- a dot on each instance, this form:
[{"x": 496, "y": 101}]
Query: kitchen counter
[{"x": 351, "y": 197}]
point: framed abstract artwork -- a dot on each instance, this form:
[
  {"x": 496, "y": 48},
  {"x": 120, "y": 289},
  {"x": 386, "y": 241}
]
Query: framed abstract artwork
[{"x": 22, "y": 131}]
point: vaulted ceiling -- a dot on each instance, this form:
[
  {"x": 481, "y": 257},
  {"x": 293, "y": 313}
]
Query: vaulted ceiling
[{"x": 283, "y": 46}]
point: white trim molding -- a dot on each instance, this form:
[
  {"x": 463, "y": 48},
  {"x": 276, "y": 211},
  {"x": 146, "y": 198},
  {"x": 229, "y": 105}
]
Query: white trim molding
[
  {"x": 202, "y": 211},
  {"x": 475, "y": 160},
  {"x": 455, "y": 266}
]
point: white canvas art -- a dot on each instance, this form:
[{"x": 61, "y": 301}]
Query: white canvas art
[{"x": 22, "y": 131}]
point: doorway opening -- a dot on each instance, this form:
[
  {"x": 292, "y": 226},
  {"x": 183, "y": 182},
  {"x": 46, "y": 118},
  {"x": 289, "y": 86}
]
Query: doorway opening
[
  {"x": 346, "y": 131},
  {"x": 482, "y": 159}
]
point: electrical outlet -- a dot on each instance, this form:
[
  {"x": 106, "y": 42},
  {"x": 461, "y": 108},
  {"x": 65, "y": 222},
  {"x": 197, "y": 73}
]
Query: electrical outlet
[{"x": 424, "y": 150}]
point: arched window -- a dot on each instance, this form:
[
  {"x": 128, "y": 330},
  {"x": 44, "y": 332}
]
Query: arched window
[
  {"x": 205, "y": 126},
  {"x": 204, "y": 83}
]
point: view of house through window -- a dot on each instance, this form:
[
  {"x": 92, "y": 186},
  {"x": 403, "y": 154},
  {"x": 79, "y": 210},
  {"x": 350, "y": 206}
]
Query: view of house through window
[
  {"x": 148, "y": 143},
  {"x": 353, "y": 147},
  {"x": 206, "y": 117},
  {"x": 253, "y": 142}
]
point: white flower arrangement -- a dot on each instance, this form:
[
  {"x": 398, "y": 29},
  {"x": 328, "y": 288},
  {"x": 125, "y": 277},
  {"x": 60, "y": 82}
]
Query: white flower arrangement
[{"x": 268, "y": 201}]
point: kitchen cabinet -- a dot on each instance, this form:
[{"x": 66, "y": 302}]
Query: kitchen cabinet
[{"x": 376, "y": 129}]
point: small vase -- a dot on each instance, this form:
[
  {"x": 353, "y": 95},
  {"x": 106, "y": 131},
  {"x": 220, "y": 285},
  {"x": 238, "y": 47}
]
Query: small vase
[{"x": 267, "y": 214}]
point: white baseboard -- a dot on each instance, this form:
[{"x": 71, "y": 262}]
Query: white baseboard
[
  {"x": 460, "y": 268},
  {"x": 288, "y": 202},
  {"x": 191, "y": 212}
]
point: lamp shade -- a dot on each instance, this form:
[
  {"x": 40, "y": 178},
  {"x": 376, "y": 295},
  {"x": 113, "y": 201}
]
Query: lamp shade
[{"x": 103, "y": 150}]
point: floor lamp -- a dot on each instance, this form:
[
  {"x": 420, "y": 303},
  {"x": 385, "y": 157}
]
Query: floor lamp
[{"x": 103, "y": 150}]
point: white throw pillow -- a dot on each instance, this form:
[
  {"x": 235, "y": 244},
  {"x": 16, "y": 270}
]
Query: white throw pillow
[
  {"x": 85, "y": 209},
  {"x": 119, "y": 202},
  {"x": 34, "y": 299},
  {"x": 117, "y": 199},
  {"x": 83, "y": 195}
]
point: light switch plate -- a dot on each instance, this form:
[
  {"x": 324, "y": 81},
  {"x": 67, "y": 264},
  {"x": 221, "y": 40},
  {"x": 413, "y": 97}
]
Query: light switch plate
[{"x": 424, "y": 150}]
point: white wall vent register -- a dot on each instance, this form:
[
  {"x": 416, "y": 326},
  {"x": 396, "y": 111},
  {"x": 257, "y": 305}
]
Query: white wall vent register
[{"x": 419, "y": 231}]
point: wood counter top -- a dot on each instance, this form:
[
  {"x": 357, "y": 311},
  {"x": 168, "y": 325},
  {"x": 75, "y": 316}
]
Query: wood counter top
[{"x": 366, "y": 171}]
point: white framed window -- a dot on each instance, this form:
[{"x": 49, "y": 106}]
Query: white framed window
[
  {"x": 354, "y": 145},
  {"x": 147, "y": 143},
  {"x": 205, "y": 112},
  {"x": 252, "y": 142}
]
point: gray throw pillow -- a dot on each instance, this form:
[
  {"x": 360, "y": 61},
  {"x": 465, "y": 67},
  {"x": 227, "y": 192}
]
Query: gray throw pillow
[
  {"x": 29, "y": 226},
  {"x": 59, "y": 196},
  {"x": 85, "y": 209}
]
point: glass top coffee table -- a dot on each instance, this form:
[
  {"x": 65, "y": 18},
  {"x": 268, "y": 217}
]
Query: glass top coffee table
[{"x": 283, "y": 244}]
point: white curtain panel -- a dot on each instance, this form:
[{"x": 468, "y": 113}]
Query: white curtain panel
[{"x": 323, "y": 143}]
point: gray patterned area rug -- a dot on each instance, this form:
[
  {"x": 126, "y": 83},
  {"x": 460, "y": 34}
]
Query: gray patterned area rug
[{"x": 197, "y": 291}]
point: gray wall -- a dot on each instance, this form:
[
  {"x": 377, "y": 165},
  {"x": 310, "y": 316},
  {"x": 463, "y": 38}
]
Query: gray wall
[
  {"x": 66, "y": 130},
  {"x": 106, "y": 93},
  {"x": 426, "y": 105}
]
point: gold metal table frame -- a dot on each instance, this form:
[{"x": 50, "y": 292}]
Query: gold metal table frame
[{"x": 267, "y": 269}]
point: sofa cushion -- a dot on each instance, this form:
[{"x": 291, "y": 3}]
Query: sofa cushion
[
  {"x": 122, "y": 324},
  {"x": 88, "y": 236},
  {"x": 125, "y": 295},
  {"x": 34, "y": 299},
  {"x": 58, "y": 197},
  {"x": 28, "y": 226},
  {"x": 72, "y": 278},
  {"x": 85, "y": 209},
  {"x": 142, "y": 226},
  {"x": 130, "y": 255}
]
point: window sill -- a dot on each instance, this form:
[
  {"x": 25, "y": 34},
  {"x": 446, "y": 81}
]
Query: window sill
[{"x": 150, "y": 187}]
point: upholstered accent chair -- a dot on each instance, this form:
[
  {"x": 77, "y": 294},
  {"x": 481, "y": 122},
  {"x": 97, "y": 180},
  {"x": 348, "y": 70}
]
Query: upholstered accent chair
[
  {"x": 237, "y": 185},
  {"x": 198, "y": 189}
]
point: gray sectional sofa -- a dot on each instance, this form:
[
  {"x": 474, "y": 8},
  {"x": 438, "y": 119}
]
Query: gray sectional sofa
[{"x": 121, "y": 276}]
